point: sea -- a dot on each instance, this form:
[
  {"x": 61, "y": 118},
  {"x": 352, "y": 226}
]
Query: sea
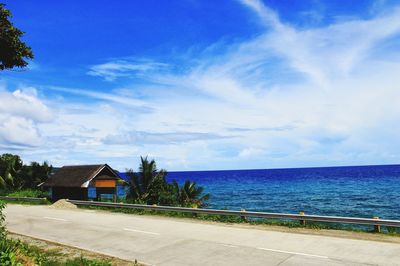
[{"x": 352, "y": 191}]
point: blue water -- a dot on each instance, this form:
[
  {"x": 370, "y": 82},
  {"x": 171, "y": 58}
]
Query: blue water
[{"x": 359, "y": 191}]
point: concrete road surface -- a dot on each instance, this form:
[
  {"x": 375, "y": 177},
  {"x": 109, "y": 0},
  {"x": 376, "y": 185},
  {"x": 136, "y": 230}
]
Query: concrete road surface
[{"x": 163, "y": 241}]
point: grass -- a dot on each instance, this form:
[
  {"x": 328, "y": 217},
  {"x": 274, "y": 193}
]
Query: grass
[
  {"x": 27, "y": 202},
  {"x": 29, "y": 193},
  {"x": 253, "y": 221},
  {"x": 15, "y": 252},
  {"x": 19, "y": 253}
]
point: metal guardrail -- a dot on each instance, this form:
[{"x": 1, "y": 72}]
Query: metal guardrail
[
  {"x": 300, "y": 217},
  {"x": 21, "y": 199}
]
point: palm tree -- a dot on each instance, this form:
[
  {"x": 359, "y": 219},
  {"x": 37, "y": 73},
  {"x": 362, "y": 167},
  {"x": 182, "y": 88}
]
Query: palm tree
[
  {"x": 190, "y": 194},
  {"x": 148, "y": 183},
  {"x": 10, "y": 166}
]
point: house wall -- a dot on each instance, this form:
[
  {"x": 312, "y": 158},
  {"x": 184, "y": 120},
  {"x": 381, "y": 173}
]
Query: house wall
[
  {"x": 69, "y": 193},
  {"x": 94, "y": 193},
  {"x": 105, "y": 183}
]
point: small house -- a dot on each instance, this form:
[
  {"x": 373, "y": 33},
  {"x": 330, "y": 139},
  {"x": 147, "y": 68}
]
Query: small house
[{"x": 85, "y": 182}]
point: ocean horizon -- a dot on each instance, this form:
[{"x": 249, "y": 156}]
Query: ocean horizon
[{"x": 354, "y": 191}]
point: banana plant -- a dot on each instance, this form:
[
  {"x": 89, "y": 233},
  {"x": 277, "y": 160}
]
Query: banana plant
[{"x": 10, "y": 166}]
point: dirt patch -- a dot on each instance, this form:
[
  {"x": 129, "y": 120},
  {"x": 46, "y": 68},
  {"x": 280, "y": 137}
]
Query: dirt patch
[
  {"x": 63, "y": 204},
  {"x": 59, "y": 251}
]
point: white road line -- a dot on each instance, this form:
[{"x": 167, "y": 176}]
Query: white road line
[
  {"x": 57, "y": 219},
  {"x": 140, "y": 231},
  {"x": 229, "y": 246},
  {"x": 294, "y": 253}
]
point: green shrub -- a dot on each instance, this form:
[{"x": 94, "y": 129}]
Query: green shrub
[
  {"x": 81, "y": 261},
  {"x": 392, "y": 229},
  {"x": 2, "y": 220},
  {"x": 8, "y": 254},
  {"x": 30, "y": 193},
  {"x": 7, "y": 248}
]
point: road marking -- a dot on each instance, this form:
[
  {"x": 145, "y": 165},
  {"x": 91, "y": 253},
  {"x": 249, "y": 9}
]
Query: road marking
[
  {"x": 57, "y": 219},
  {"x": 294, "y": 253},
  {"x": 229, "y": 246},
  {"x": 140, "y": 231}
]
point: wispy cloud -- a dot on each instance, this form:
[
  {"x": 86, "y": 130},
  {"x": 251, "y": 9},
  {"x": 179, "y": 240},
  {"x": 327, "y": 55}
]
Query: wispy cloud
[
  {"x": 123, "y": 68},
  {"x": 109, "y": 97},
  {"x": 141, "y": 138},
  {"x": 327, "y": 53}
]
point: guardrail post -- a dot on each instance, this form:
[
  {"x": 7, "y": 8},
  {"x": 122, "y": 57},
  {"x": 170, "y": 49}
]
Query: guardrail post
[
  {"x": 377, "y": 227},
  {"x": 153, "y": 210},
  {"x": 302, "y": 222},
  {"x": 243, "y": 217},
  {"x": 194, "y": 213}
]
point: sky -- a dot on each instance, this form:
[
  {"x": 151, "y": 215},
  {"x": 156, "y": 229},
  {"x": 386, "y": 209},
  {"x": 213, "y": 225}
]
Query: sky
[{"x": 205, "y": 85}]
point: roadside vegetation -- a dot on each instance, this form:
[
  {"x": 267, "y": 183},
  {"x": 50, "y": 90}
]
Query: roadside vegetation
[
  {"x": 149, "y": 186},
  {"x": 232, "y": 219},
  {"x": 22, "y": 180}
]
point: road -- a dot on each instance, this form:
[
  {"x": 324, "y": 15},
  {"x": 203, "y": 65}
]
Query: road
[{"x": 164, "y": 241}]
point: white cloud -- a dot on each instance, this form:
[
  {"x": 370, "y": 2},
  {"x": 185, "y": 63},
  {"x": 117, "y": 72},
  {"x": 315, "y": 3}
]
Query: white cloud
[
  {"x": 165, "y": 138},
  {"x": 327, "y": 53},
  {"x": 19, "y": 131},
  {"x": 20, "y": 113},
  {"x": 123, "y": 68},
  {"x": 251, "y": 152},
  {"x": 24, "y": 103},
  {"x": 110, "y": 97}
]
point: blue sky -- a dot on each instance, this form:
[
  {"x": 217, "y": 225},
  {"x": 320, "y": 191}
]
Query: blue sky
[{"x": 205, "y": 84}]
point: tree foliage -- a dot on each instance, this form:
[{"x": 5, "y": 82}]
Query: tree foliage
[
  {"x": 149, "y": 186},
  {"x": 13, "y": 51},
  {"x": 15, "y": 175},
  {"x": 191, "y": 195},
  {"x": 33, "y": 174}
]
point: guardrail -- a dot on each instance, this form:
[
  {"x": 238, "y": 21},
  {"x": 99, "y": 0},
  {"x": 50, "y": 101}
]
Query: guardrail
[
  {"x": 22, "y": 199},
  {"x": 376, "y": 222}
]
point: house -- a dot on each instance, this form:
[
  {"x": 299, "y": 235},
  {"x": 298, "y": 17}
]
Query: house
[{"x": 85, "y": 182}]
